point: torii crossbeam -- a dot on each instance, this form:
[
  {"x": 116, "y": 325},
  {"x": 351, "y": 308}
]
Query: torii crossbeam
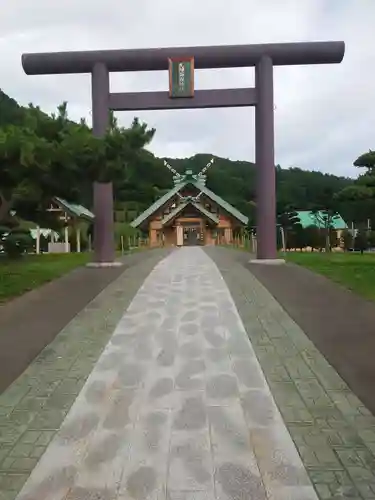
[{"x": 263, "y": 57}]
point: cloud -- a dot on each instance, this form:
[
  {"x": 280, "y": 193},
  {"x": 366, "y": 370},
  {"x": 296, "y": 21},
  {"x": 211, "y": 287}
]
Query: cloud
[{"x": 324, "y": 114}]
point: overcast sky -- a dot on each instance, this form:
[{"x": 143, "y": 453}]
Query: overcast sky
[{"x": 325, "y": 115}]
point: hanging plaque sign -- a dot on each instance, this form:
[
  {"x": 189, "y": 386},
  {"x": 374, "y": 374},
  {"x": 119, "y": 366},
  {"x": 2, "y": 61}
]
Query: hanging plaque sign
[{"x": 181, "y": 77}]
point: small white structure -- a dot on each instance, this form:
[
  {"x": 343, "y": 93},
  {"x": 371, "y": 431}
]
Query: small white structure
[
  {"x": 38, "y": 232},
  {"x": 71, "y": 214}
]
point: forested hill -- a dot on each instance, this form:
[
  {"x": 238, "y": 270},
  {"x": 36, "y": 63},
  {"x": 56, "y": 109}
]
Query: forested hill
[
  {"x": 10, "y": 111},
  {"x": 233, "y": 180}
]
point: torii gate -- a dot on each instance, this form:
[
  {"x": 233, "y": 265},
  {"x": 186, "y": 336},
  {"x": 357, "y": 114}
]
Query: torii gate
[{"x": 263, "y": 57}]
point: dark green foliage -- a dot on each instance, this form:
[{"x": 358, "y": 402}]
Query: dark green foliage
[
  {"x": 371, "y": 239},
  {"x": 325, "y": 220},
  {"x": 366, "y": 160},
  {"x": 235, "y": 181},
  {"x": 15, "y": 242},
  {"x": 288, "y": 223},
  {"x": 43, "y": 156},
  {"x": 361, "y": 242},
  {"x": 4, "y": 230},
  {"x": 10, "y": 111},
  {"x": 347, "y": 240},
  {"x": 359, "y": 197}
]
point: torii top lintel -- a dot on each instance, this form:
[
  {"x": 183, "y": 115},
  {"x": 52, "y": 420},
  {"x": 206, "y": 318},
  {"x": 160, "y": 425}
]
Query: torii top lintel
[{"x": 156, "y": 59}]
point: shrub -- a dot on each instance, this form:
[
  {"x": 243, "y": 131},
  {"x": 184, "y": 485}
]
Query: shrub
[
  {"x": 347, "y": 239},
  {"x": 15, "y": 242},
  {"x": 361, "y": 241}
]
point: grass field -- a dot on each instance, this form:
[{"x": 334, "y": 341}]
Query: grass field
[
  {"x": 354, "y": 271},
  {"x": 20, "y": 276}
]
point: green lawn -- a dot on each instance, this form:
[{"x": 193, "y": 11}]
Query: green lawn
[
  {"x": 20, "y": 276},
  {"x": 354, "y": 271}
]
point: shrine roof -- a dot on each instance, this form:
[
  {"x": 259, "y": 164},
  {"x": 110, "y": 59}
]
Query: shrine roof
[
  {"x": 74, "y": 210},
  {"x": 181, "y": 182},
  {"x": 183, "y": 205}
]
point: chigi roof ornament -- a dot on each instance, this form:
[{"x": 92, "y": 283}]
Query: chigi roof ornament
[{"x": 180, "y": 178}]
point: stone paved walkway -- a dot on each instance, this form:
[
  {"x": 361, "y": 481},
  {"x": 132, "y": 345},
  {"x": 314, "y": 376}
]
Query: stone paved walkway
[
  {"x": 63, "y": 298},
  {"x": 33, "y": 408},
  {"x": 332, "y": 429},
  {"x": 176, "y": 401}
]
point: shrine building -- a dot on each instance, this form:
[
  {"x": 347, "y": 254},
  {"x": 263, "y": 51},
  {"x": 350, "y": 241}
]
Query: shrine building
[{"x": 190, "y": 214}]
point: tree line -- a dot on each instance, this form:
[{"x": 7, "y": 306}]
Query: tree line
[{"x": 42, "y": 156}]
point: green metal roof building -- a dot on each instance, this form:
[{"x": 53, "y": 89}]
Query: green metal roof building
[{"x": 317, "y": 219}]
